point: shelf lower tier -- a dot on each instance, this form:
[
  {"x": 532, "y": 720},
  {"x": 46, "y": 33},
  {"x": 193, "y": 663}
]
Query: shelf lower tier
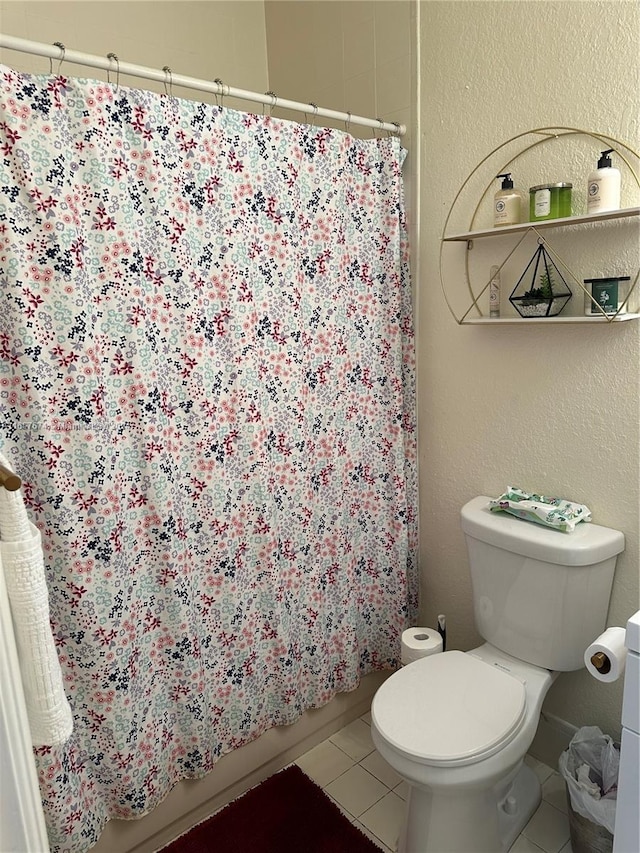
[
  {"x": 547, "y": 321},
  {"x": 566, "y": 221}
]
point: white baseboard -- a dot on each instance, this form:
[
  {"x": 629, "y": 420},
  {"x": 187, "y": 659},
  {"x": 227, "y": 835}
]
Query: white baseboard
[{"x": 551, "y": 740}]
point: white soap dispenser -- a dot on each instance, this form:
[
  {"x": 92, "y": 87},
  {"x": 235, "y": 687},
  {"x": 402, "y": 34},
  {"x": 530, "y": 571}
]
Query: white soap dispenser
[
  {"x": 603, "y": 186},
  {"x": 507, "y": 203}
]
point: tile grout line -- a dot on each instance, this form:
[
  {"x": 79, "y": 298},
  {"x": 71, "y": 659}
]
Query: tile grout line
[
  {"x": 388, "y": 790},
  {"x": 356, "y": 821},
  {"x": 359, "y": 764}
]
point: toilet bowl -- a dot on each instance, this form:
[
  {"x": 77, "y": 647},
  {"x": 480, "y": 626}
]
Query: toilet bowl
[{"x": 457, "y": 726}]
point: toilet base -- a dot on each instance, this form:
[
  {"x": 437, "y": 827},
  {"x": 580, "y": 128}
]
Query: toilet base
[
  {"x": 482, "y": 821},
  {"x": 526, "y": 793}
]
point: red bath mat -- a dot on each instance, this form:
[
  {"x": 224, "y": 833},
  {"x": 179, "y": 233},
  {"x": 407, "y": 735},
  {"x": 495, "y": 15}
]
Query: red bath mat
[{"x": 287, "y": 813}]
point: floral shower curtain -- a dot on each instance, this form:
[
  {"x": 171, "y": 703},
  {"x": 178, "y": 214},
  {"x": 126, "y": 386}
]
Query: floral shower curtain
[{"x": 208, "y": 388}]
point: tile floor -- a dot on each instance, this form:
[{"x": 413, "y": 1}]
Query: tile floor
[{"x": 350, "y": 770}]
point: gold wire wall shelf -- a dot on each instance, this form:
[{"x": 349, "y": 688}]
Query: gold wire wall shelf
[{"x": 474, "y": 315}]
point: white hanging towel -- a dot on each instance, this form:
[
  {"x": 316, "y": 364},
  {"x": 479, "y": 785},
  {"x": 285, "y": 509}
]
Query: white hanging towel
[{"x": 22, "y": 563}]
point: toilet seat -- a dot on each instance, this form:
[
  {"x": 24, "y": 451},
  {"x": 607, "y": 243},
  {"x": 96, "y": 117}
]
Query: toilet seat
[{"x": 449, "y": 709}]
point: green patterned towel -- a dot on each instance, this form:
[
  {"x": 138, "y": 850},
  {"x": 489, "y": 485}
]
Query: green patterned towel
[{"x": 558, "y": 513}]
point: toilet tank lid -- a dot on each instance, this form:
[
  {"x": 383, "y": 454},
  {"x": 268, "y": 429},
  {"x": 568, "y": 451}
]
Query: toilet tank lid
[{"x": 587, "y": 545}]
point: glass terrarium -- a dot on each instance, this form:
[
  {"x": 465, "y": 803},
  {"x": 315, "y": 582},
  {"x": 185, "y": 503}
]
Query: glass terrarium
[{"x": 541, "y": 290}]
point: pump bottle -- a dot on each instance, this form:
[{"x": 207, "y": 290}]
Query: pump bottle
[
  {"x": 603, "y": 186},
  {"x": 507, "y": 203}
]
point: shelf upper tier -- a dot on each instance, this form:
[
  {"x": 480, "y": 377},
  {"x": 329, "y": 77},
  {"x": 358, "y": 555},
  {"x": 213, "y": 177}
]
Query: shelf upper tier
[
  {"x": 546, "y": 223},
  {"x": 547, "y": 321}
]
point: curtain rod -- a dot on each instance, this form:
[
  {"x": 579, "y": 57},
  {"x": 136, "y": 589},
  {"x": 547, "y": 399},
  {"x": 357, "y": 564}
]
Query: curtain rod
[
  {"x": 166, "y": 76},
  {"x": 9, "y": 480}
]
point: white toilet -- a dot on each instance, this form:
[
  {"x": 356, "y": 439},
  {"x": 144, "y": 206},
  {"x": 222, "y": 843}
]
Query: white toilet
[{"x": 456, "y": 726}]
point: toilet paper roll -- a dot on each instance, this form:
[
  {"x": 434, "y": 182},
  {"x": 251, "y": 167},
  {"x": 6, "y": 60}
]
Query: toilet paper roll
[
  {"x": 418, "y": 643},
  {"x": 611, "y": 646}
]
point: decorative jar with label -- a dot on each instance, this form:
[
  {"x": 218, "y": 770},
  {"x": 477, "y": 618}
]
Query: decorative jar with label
[
  {"x": 606, "y": 295},
  {"x": 549, "y": 201}
]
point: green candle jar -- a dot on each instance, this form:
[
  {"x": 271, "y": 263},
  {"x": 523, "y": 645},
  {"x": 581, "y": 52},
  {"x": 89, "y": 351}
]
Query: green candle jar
[
  {"x": 549, "y": 201},
  {"x": 606, "y": 296}
]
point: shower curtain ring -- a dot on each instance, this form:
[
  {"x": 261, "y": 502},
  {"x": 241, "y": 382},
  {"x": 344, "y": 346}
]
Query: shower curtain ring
[
  {"x": 112, "y": 57},
  {"x": 274, "y": 101},
  {"x": 219, "y": 83},
  {"x": 347, "y": 124},
  {"x": 64, "y": 50},
  {"x": 379, "y": 129},
  {"x": 168, "y": 74},
  {"x": 315, "y": 112}
]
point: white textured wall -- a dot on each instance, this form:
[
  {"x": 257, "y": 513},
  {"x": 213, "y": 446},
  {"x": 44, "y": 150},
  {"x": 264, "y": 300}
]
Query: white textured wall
[
  {"x": 551, "y": 409},
  {"x": 348, "y": 55},
  {"x": 223, "y": 38}
]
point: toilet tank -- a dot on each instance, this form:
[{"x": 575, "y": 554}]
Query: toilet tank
[{"x": 539, "y": 595}]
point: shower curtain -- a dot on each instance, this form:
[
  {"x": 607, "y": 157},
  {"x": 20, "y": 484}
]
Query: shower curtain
[{"x": 208, "y": 388}]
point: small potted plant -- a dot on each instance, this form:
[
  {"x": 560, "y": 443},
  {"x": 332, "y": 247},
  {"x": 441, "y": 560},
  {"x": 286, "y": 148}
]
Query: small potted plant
[{"x": 548, "y": 292}]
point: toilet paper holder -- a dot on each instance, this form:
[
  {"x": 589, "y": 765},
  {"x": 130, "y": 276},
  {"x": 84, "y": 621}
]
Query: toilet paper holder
[
  {"x": 605, "y": 657},
  {"x": 601, "y": 662}
]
